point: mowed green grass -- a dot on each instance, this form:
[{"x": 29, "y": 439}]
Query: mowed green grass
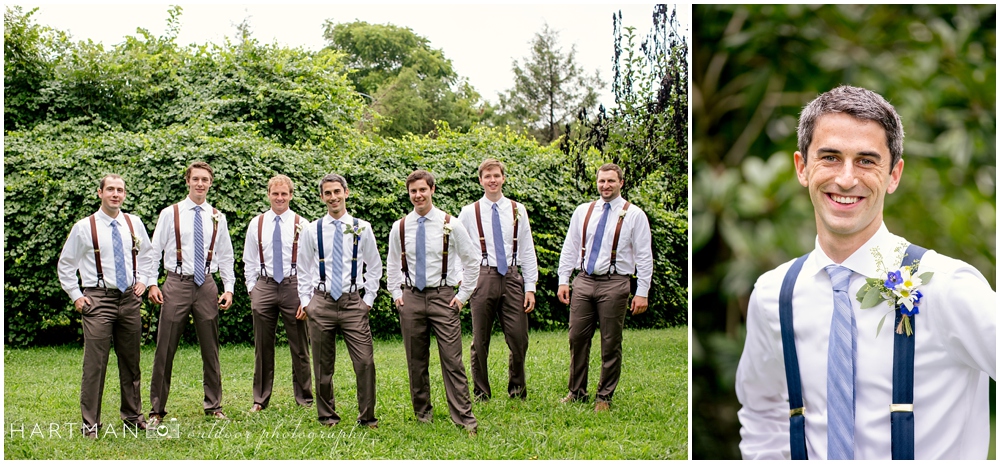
[{"x": 648, "y": 419}]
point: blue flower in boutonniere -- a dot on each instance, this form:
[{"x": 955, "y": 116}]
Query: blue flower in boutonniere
[{"x": 899, "y": 289}]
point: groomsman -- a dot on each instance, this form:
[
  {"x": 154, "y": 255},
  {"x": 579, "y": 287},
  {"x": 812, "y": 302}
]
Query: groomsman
[
  {"x": 113, "y": 284},
  {"x": 198, "y": 235},
  {"x": 338, "y": 256},
  {"x": 501, "y": 228},
  {"x": 423, "y": 246},
  {"x": 614, "y": 242},
  {"x": 269, "y": 258}
]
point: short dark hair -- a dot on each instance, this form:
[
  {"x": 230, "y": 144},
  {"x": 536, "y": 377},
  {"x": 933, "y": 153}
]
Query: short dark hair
[
  {"x": 612, "y": 167},
  {"x": 332, "y": 177},
  {"x": 859, "y": 103},
  {"x": 199, "y": 165},
  {"x": 420, "y": 174},
  {"x": 109, "y": 176}
]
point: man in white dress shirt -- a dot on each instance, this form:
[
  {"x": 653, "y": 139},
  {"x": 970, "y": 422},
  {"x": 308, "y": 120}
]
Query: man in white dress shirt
[
  {"x": 332, "y": 273},
  {"x": 422, "y": 272},
  {"x": 616, "y": 243},
  {"x": 205, "y": 248},
  {"x": 849, "y": 158},
  {"x": 113, "y": 284},
  {"x": 271, "y": 279},
  {"x": 501, "y": 229}
]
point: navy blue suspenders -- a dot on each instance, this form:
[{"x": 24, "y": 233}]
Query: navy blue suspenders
[
  {"x": 322, "y": 261},
  {"x": 902, "y": 371}
]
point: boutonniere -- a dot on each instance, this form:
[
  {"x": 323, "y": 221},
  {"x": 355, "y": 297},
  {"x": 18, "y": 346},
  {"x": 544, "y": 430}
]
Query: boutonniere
[
  {"x": 217, "y": 216},
  {"x": 298, "y": 227},
  {"x": 622, "y": 213},
  {"x": 356, "y": 231},
  {"x": 447, "y": 228},
  {"x": 899, "y": 288},
  {"x": 135, "y": 243}
]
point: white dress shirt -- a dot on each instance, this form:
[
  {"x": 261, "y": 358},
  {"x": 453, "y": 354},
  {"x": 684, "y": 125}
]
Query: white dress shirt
[
  {"x": 165, "y": 248},
  {"x": 251, "y": 249},
  {"x": 525, "y": 244},
  {"x": 78, "y": 253},
  {"x": 955, "y": 352},
  {"x": 369, "y": 260},
  {"x": 635, "y": 252},
  {"x": 463, "y": 256}
]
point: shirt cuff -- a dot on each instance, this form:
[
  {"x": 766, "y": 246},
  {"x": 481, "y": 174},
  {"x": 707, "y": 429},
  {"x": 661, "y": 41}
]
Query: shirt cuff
[
  {"x": 228, "y": 287},
  {"x": 463, "y": 297},
  {"x": 396, "y": 294},
  {"x": 75, "y": 294},
  {"x": 250, "y": 287},
  {"x": 529, "y": 286},
  {"x": 642, "y": 291},
  {"x": 369, "y": 299},
  {"x": 563, "y": 280},
  {"x": 304, "y": 300}
]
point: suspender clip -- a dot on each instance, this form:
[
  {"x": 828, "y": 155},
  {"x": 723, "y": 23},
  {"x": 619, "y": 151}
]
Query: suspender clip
[
  {"x": 901, "y": 407},
  {"x": 797, "y": 412}
]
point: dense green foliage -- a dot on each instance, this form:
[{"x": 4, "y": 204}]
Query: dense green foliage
[
  {"x": 550, "y": 89},
  {"x": 410, "y": 84},
  {"x": 649, "y": 412},
  {"x": 755, "y": 67},
  {"x": 251, "y": 111}
]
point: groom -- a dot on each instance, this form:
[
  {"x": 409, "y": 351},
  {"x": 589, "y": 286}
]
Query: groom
[{"x": 827, "y": 388}]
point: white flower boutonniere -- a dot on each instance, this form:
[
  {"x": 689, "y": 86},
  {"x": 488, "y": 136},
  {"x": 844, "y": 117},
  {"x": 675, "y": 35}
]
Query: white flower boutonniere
[
  {"x": 135, "y": 243},
  {"x": 299, "y": 227},
  {"x": 217, "y": 216},
  {"x": 899, "y": 289},
  {"x": 447, "y": 228},
  {"x": 622, "y": 213}
]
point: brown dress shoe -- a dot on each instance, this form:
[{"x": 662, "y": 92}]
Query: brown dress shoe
[
  {"x": 570, "y": 398},
  {"x": 256, "y": 408},
  {"x": 154, "y": 421},
  {"x": 602, "y": 406},
  {"x": 217, "y": 414}
]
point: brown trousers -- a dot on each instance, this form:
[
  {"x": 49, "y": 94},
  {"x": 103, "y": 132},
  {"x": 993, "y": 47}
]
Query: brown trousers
[
  {"x": 268, "y": 301},
  {"x": 181, "y": 296},
  {"x": 421, "y": 313},
  {"x": 499, "y": 297},
  {"x": 597, "y": 300},
  {"x": 112, "y": 318},
  {"x": 350, "y": 315}
]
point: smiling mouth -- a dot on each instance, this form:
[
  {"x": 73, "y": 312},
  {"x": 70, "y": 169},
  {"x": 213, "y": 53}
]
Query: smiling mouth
[{"x": 843, "y": 200}]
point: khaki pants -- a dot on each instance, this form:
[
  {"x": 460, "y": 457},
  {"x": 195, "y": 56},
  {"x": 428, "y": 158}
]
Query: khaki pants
[
  {"x": 349, "y": 314},
  {"x": 597, "y": 300},
  {"x": 499, "y": 297},
  {"x": 268, "y": 301},
  {"x": 422, "y": 313},
  {"x": 181, "y": 296},
  {"x": 112, "y": 318}
]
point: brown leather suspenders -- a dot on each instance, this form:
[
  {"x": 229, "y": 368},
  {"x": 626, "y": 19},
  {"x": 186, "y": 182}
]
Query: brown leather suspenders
[
  {"x": 177, "y": 240},
  {"x": 97, "y": 250},
  {"x": 260, "y": 244},
  {"x": 482, "y": 236},
  {"x": 614, "y": 244},
  {"x": 402, "y": 250}
]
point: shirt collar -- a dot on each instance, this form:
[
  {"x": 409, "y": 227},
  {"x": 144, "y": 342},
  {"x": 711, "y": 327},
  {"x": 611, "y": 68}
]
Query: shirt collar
[
  {"x": 105, "y": 219},
  {"x": 616, "y": 203},
  {"x": 433, "y": 214},
  {"x": 346, "y": 218},
  {"x": 288, "y": 215},
  {"x": 862, "y": 261},
  {"x": 489, "y": 204},
  {"x": 188, "y": 203}
]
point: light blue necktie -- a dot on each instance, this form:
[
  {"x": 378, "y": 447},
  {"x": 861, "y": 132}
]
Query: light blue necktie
[
  {"x": 277, "y": 252},
  {"x": 841, "y": 368},
  {"x": 199, "y": 248},
  {"x": 116, "y": 240},
  {"x": 595, "y": 249},
  {"x": 498, "y": 242},
  {"x": 337, "y": 263},
  {"x": 421, "y": 281}
]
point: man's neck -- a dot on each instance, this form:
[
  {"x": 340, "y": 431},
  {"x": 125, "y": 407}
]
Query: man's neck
[
  {"x": 337, "y": 215},
  {"x": 111, "y": 213},
  {"x": 612, "y": 199},
  {"x": 494, "y": 197},
  {"x": 202, "y": 202},
  {"x": 840, "y": 247},
  {"x": 425, "y": 213}
]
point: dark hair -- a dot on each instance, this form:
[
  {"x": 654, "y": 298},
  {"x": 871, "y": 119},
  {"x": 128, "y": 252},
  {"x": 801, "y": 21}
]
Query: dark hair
[
  {"x": 199, "y": 165},
  {"x": 109, "y": 176},
  {"x": 612, "y": 167},
  {"x": 332, "y": 177},
  {"x": 859, "y": 103},
  {"x": 420, "y": 174}
]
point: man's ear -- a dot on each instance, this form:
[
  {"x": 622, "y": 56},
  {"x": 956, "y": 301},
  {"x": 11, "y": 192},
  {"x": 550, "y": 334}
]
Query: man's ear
[
  {"x": 894, "y": 176},
  {"x": 800, "y": 169}
]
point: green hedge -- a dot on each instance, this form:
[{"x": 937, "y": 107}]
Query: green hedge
[{"x": 51, "y": 175}]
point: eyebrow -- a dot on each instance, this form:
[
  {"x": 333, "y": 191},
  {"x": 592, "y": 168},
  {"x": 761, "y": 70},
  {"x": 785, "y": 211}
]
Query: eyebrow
[{"x": 870, "y": 154}]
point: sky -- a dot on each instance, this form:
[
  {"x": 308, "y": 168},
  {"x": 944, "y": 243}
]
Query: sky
[{"x": 482, "y": 40}]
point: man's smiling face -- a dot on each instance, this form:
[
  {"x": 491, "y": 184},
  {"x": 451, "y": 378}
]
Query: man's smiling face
[{"x": 848, "y": 176}]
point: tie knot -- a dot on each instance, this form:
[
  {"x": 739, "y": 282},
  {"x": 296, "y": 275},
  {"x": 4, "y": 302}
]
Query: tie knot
[
  {"x": 840, "y": 275},
  {"x": 114, "y": 224},
  {"x": 197, "y": 209},
  {"x": 336, "y": 223},
  {"x": 495, "y": 208},
  {"x": 421, "y": 219},
  {"x": 277, "y": 218},
  {"x": 607, "y": 206}
]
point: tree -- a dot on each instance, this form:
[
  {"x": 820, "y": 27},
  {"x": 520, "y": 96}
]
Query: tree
[
  {"x": 549, "y": 88},
  {"x": 408, "y": 83}
]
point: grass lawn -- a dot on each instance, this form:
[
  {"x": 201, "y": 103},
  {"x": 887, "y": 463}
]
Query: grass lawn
[{"x": 648, "y": 419}]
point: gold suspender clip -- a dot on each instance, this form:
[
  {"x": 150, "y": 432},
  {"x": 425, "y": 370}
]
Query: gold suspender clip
[
  {"x": 797, "y": 412},
  {"x": 901, "y": 407}
]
